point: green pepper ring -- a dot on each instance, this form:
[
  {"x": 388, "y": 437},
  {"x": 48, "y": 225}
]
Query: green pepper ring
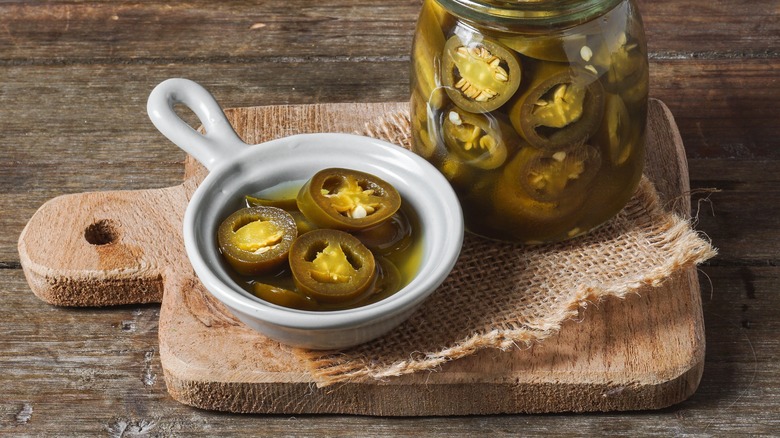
[
  {"x": 495, "y": 155},
  {"x": 509, "y": 62},
  {"x": 512, "y": 200},
  {"x": 247, "y": 262},
  {"x": 320, "y": 210},
  {"x": 283, "y": 297},
  {"x": 563, "y": 188},
  {"x": 305, "y": 249},
  {"x": 546, "y": 76}
]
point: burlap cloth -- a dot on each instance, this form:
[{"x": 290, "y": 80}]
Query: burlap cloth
[{"x": 502, "y": 295}]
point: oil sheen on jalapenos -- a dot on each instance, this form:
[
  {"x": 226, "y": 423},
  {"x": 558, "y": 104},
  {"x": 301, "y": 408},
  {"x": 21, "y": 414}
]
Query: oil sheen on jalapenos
[
  {"x": 394, "y": 244},
  {"x": 534, "y": 111}
]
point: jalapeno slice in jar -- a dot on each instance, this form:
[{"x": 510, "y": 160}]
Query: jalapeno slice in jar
[
  {"x": 348, "y": 200},
  {"x": 615, "y": 134},
  {"x": 424, "y": 130},
  {"x": 257, "y": 239},
  {"x": 331, "y": 266},
  {"x": 478, "y": 139},
  {"x": 479, "y": 76},
  {"x": 622, "y": 59},
  {"x": 552, "y": 176},
  {"x": 561, "y": 108},
  {"x": 525, "y": 217},
  {"x": 427, "y": 48}
]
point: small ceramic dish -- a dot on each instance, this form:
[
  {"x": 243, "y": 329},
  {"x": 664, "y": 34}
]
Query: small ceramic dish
[{"x": 237, "y": 169}]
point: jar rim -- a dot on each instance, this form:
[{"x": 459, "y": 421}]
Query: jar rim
[{"x": 529, "y": 13}]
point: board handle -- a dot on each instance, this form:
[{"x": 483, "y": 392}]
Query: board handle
[{"x": 105, "y": 248}]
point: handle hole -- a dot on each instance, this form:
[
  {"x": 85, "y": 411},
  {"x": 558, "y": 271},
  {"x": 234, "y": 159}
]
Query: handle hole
[
  {"x": 187, "y": 115},
  {"x": 102, "y": 232}
]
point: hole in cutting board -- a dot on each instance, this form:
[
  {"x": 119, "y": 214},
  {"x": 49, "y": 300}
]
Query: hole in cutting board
[{"x": 102, "y": 232}]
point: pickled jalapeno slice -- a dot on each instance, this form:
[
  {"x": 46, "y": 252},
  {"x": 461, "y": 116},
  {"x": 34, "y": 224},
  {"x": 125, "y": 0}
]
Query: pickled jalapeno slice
[
  {"x": 552, "y": 176},
  {"x": 388, "y": 279},
  {"x": 331, "y": 266},
  {"x": 622, "y": 59},
  {"x": 256, "y": 240},
  {"x": 477, "y": 139},
  {"x": 525, "y": 217},
  {"x": 283, "y": 297},
  {"x": 427, "y": 49},
  {"x": 424, "y": 133},
  {"x": 461, "y": 176},
  {"x": 349, "y": 200},
  {"x": 388, "y": 237},
  {"x": 288, "y": 204},
  {"x": 615, "y": 132},
  {"x": 562, "y": 107},
  {"x": 479, "y": 76}
]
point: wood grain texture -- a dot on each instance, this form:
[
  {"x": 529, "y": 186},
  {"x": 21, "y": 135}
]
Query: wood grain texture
[
  {"x": 104, "y": 248},
  {"x": 73, "y": 88}
]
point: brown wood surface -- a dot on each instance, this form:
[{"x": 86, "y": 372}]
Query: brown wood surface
[{"x": 74, "y": 77}]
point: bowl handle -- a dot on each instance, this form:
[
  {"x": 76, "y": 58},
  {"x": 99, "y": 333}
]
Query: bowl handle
[{"x": 220, "y": 141}]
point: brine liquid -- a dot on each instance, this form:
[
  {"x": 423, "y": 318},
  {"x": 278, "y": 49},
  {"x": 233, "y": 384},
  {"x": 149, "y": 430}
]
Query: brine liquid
[{"x": 405, "y": 259}]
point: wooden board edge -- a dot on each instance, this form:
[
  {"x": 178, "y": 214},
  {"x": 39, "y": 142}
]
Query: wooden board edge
[{"x": 392, "y": 397}]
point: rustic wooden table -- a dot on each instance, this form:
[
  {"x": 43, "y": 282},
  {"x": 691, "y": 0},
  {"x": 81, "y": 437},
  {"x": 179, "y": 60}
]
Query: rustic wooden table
[{"x": 74, "y": 78}]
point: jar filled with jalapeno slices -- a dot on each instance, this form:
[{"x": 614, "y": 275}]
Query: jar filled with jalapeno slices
[{"x": 534, "y": 110}]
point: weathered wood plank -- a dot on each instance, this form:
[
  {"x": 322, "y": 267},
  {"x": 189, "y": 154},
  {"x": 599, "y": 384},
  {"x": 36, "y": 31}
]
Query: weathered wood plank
[
  {"x": 162, "y": 32},
  {"x": 742, "y": 217},
  {"x": 725, "y": 29},
  {"x": 724, "y": 108}
]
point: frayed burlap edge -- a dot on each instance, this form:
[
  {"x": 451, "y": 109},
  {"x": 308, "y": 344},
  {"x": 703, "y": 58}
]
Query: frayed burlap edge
[{"x": 675, "y": 244}]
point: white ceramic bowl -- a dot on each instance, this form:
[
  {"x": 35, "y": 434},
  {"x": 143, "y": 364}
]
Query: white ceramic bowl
[{"x": 237, "y": 169}]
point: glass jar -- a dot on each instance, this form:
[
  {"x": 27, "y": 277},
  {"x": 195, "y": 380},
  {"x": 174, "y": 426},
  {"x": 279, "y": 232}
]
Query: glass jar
[{"x": 534, "y": 110}]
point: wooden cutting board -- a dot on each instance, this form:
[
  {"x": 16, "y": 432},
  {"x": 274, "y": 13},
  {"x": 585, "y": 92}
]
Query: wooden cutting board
[{"x": 644, "y": 352}]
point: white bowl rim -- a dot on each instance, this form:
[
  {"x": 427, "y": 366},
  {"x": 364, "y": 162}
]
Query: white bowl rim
[{"x": 328, "y": 320}]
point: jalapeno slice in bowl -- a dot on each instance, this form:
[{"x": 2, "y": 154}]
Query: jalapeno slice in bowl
[
  {"x": 257, "y": 239},
  {"x": 290, "y": 205},
  {"x": 388, "y": 237},
  {"x": 331, "y": 266},
  {"x": 479, "y": 76},
  {"x": 348, "y": 200},
  {"x": 287, "y": 204},
  {"x": 283, "y": 297}
]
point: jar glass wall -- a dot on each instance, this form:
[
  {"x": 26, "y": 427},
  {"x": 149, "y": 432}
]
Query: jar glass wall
[{"x": 534, "y": 110}]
